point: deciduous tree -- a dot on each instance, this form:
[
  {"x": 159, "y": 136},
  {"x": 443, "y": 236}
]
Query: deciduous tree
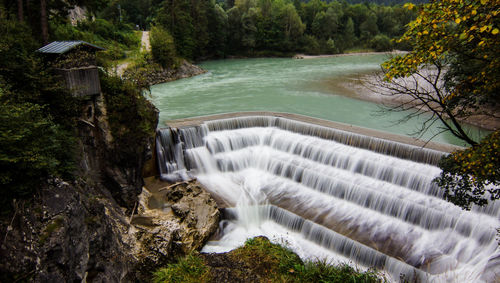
[{"x": 453, "y": 71}]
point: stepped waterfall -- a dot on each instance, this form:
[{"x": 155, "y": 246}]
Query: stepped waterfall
[{"x": 334, "y": 195}]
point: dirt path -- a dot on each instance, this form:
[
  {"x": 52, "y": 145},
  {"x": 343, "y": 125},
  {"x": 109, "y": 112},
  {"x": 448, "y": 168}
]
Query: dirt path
[{"x": 145, "y": 45}]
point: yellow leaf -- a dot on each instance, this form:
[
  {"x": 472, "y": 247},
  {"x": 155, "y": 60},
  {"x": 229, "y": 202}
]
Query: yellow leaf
[
  {"x": 410, "y": 6},
  {"x": 474, "y": 12},
  {"x": 494, "y": 31},
  {"x": 457, "y": 20}
]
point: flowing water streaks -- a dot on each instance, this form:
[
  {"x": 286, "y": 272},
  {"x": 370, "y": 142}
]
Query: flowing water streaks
[{"x": 366, "y": 199}]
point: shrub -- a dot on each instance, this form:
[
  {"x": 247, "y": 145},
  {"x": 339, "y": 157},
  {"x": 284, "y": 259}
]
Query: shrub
[
  {"x": 381, "y": 43},
  {"x": 188, "y": 269},
  {"x": 131, "y": 116},
  {"x": 162, "y": 46}
]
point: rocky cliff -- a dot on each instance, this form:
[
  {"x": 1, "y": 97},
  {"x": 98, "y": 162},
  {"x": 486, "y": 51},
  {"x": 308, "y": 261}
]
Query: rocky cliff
[
  {"x": 154, "y": 74},
  {"x": 81, "y": 230}
]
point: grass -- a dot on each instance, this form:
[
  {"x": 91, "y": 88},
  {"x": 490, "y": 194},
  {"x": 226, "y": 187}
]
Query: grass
[
  {"x": 190, "y": 269},
  {"x": 266, "y": 261}
]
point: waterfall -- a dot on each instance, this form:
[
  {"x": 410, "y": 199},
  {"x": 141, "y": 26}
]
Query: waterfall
[{"x": 334, "y": 194}]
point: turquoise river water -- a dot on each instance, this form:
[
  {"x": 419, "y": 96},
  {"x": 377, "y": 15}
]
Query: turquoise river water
[{"x": 306, "y": 87}]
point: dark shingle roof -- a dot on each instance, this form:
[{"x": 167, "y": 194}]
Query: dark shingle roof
[{"x": 60, "y": 47}]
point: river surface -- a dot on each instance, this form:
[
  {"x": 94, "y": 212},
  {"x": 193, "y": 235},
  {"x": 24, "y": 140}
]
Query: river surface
[{"x": 306, "y": 87}]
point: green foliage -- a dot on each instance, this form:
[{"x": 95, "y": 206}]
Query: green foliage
[
  {"x": 380, "y": 43},
  {"x": 36, "y": 117},
  {"x": 465, "y": 33},
  {"x": 162, "y": 47},
  {"x": 461, "y": 39},
  {"x": 321, "y": 271},
  {"x": 131, "y": 116},
  {"x": 266, "y": 261},
  {"x": 472, "y": 176},
  {"x": 99, "y": 32},
  {"x": 32, "y": 147},
  {"x": 203, "y": 29},
  {"x": 189, "y": 269},
  {"x": 265, "y": 257}
]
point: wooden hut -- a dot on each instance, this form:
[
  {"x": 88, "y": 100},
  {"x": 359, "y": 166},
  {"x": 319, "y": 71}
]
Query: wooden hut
[{"x": 75, "y": 61}]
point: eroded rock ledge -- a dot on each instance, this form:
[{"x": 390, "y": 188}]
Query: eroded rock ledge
[
  {"x": 172, "y": 221},
  {"x": 157, "y": 75}
]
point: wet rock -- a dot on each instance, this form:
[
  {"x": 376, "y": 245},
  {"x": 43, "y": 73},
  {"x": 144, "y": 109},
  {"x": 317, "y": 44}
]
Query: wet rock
[
  {"x": 160, "y": 75},
  {"x": 182, "y": 225}
]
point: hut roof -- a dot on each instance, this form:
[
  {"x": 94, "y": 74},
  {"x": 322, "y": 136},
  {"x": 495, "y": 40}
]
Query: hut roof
[{"x": 60, "y": 47}]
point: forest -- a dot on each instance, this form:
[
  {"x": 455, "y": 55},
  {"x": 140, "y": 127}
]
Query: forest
[{"x": 211, "y": 29}]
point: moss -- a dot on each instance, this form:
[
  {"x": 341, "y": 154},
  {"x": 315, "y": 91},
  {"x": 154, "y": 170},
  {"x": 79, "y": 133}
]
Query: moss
[
  {"x": 259, "y": 261},
  {"x": 188, "y": 269},
  {"x": 52, "y": 227}
]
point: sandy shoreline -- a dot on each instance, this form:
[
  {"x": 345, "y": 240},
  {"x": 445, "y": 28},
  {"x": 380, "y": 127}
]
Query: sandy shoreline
[
  {"x": 304, "y": 56},
  {"x": 363, "y": 86}
]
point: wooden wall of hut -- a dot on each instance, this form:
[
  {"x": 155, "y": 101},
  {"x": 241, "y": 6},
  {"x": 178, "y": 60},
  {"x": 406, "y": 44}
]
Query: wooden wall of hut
[{"x": 82, "y": 82}]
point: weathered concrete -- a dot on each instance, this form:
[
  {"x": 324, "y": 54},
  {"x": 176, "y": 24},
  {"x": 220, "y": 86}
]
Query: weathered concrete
[{"x": 194, "y": 121}]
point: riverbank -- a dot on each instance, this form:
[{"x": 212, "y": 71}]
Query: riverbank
[
  {"x": 304, "y": 56},
  {"x": 366, "y": 86}
]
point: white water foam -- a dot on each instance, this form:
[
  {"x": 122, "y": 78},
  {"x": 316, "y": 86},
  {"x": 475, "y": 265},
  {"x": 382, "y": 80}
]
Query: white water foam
[{"x": 310, "y": 188}]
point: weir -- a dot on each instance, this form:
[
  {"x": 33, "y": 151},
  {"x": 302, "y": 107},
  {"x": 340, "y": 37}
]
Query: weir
[{"x": 335, "y": 194}]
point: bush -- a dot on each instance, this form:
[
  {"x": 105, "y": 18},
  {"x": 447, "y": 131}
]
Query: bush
[
  {"x": 32, "y": 148},
  {"x": 188, "y": 269},
  {"x": 37, "y": 116},
  {"x": 311, "y": 45},
  {"x": 131, "y": 116},
  {"x": 162, "y": 46},
  {"x": 472, "y": 176},
  {"x": 381, "y": 43}
]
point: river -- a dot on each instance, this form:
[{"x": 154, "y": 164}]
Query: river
[
  {"x": 307, "y": 87},
  {"x": 325, "y": 193}
]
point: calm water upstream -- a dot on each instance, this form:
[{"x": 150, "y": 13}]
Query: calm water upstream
[{"x": 283, "y": 85}]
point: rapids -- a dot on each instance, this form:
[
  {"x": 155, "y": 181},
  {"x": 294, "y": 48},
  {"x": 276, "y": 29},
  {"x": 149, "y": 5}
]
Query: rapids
[{"x": 333, "y": 195}]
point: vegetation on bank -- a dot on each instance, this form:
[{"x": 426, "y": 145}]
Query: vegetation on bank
[
  {"x": 131, "y": 117},
  {"x": 249, "y": 28},
  {"x": 455, "y": 55},
  {"x": 259, "y": 261},
  {"x": 38, "y": 116}
]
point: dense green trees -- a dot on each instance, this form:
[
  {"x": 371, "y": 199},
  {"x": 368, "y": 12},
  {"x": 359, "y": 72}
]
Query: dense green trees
[
  {"x": 203, "y": 29},
  {"x": 162, "y": 47},
  {"x": 36, "y": 117}
]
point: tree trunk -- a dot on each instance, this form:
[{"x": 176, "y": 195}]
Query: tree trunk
[
  {"x": 20, "y": 12},
  {"x": 44, "y": 21}
]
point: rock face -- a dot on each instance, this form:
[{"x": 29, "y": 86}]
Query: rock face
[
  {"x": 158, "y": 76},
  {"x": 173, "y": 220},
  {"x": 97, "y": 156},
  {"x": 80, "y": 231},
  {"x": 73, "y": 232}
]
